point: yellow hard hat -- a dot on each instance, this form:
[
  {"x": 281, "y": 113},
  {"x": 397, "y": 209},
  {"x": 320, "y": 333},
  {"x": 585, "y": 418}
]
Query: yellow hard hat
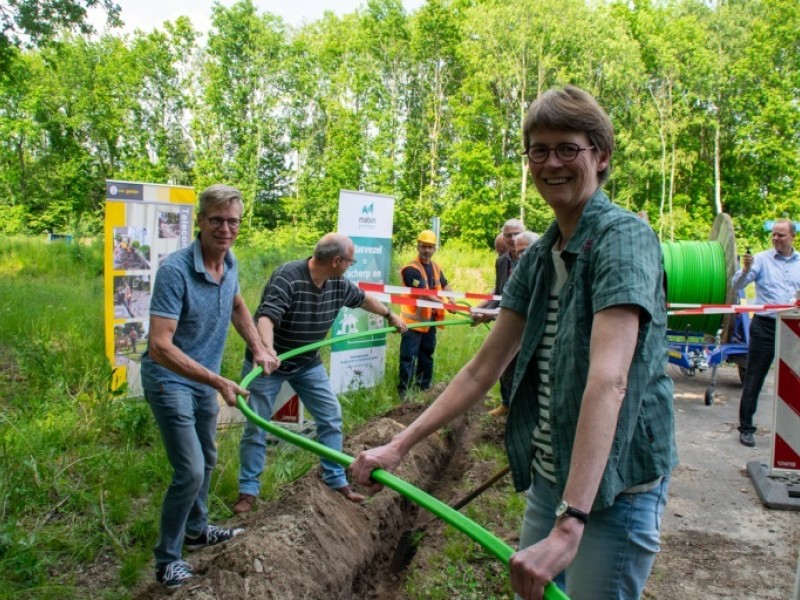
[{"x": 427, "y": 237}]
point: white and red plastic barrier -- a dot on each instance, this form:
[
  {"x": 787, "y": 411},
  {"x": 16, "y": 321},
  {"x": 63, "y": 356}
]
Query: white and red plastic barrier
[{"x": 786, "y": 426}]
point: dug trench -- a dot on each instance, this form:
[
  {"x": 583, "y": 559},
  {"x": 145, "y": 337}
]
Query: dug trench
[
  {"x": 311, "y": 543},
  {"x": 718, "y": 540}
]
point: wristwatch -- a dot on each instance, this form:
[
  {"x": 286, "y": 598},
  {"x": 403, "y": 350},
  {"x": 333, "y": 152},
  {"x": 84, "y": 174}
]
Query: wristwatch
[{"x": 565, "y": 510}]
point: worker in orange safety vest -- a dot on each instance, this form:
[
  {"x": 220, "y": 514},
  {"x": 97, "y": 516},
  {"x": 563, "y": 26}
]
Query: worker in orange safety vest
[{"x": 417, "y": 345}]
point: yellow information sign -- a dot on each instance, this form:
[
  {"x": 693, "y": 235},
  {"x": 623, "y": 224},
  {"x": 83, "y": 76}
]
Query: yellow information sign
[{"x": 144, "y": 223}]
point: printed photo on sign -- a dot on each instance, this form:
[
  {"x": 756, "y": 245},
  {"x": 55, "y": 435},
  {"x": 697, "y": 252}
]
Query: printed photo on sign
[
  {"x": 131, "y": 249},
  {"x": 169, "y": 225},
  {"x": 131, "y": 296},
  {"x": 174, "y": 232},
  {"x": 130, "y": 341}
]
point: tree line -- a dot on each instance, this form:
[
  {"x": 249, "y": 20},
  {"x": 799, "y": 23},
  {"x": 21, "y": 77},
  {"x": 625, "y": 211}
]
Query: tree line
[{"x": 424, "y": 106}]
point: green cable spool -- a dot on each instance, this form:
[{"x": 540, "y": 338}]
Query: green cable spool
[{"x": 696, "y": 274}]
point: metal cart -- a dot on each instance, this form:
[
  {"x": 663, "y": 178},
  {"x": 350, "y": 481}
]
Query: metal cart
[{"x": 690, "y": 352}]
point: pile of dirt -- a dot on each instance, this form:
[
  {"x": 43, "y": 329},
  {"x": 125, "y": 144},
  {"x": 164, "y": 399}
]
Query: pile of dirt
[{"x": 312, "y": 543}]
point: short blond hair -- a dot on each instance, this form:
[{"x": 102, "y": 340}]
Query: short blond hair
[{"x": 219, "y": 194}]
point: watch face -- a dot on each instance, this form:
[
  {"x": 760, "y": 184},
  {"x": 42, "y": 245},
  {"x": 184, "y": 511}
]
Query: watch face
[{"x": 561, "y": 508}]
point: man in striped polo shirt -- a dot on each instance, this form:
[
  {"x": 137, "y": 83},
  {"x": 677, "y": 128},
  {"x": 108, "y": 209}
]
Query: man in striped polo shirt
[{"x": 298, "y": 307}]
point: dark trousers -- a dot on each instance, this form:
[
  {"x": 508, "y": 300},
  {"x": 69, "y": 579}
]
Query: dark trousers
[
  {"x": 760, "y": 354},
  {"x": 416, "y": 359}
]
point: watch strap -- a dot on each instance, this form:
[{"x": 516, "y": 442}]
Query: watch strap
[{"x": 578, "y": 514}]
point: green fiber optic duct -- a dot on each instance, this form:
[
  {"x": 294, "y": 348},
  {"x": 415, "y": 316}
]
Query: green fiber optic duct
[
  {"x": 489, "y": 542},
  {"x": 695, "y": 274}
]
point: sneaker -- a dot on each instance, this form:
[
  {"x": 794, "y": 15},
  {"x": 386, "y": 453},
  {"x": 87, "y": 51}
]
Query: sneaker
[
  {"x": 212, "y": 536},
  {"x": 172, "y": 575}
]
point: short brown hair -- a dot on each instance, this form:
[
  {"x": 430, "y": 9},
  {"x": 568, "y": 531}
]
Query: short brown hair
[{"x": 571, "y": 109}]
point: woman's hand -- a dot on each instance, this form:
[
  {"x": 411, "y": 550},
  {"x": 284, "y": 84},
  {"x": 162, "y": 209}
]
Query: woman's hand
[
  {"x": 535, "y": 566},
  {"x": 385, "y": 457}
]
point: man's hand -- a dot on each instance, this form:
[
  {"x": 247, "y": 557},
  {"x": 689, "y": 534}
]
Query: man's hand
[
  {"x": 267, "y": 360},
  {"x": 229, "y": 389},
  {"x": 747, "y": 262},
  {"x": 481, "y": 317},
  {"x": 396, "y": 322},
  {"x": 382, "y": 457}
]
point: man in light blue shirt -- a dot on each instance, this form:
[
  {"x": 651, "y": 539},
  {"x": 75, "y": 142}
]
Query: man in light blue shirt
[{"x": 776, "y": 273}]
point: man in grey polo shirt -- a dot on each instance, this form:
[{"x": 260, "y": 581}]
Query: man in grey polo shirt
[{"x": 195, "y": 298}]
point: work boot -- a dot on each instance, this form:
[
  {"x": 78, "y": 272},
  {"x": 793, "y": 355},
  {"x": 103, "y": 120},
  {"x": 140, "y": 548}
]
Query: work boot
[
  {"x": 351, "y": 494},
  {"x": 500, "y": 411},
  {"x": 244, "y": 504}
]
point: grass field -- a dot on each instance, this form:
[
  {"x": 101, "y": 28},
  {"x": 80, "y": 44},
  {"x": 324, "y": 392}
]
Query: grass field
[{"x": 82, "y": 470}]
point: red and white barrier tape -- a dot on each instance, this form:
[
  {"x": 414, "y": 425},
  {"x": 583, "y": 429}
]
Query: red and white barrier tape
[
  {"x": 406, "y": 301},
  {"x": 395, "y": 294},
  {"x": 725, "y": 309},
  {"x": 409, "y": 291}
]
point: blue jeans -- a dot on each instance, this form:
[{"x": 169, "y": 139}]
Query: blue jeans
[
  {"x": 618, "y": 547},
  {"x": 314, "y": 388},
  {"x": 416, "y": 359},
  {"x": 188, "y": 425}
]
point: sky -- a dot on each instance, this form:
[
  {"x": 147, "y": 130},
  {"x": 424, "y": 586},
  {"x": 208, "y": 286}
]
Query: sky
[{"x": 148, "y": 14}]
